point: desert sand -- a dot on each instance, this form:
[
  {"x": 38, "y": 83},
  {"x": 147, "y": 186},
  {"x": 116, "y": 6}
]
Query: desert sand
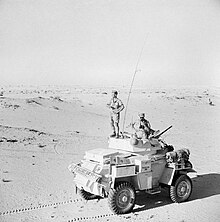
[{"x": 44, "y": 129}]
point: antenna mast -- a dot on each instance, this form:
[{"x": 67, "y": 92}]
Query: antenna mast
[{"x": 132, "y": 82}]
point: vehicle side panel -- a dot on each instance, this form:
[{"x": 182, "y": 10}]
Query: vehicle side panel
[{"x": 167, "y": 176}]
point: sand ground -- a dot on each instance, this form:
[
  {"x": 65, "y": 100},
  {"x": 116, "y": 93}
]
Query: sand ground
[{"x": 44, "y": 129}]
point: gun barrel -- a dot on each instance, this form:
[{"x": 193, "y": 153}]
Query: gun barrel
[{"x": 157, "y": 136}]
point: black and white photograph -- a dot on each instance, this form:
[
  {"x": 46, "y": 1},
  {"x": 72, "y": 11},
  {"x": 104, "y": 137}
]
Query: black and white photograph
[{"x": 109, "y": 110}]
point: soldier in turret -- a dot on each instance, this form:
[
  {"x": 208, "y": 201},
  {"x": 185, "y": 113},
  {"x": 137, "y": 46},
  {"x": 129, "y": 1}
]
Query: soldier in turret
[
  {"x": 143, "y": 127},
  {"x": 116, "y": 106}
]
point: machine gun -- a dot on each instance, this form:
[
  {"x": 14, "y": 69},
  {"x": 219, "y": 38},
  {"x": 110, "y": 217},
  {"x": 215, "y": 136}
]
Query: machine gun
[{"x": 156, "y": 136}]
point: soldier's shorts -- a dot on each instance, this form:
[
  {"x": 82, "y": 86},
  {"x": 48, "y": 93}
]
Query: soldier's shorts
[{"x": 115, "y": 118}]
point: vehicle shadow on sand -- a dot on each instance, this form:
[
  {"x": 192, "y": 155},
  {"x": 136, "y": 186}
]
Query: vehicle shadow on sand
[
  {"x": 204, "y": 186},
  {"x": 145, "y": 201}
]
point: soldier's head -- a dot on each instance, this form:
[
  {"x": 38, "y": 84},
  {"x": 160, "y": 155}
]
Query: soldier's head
[
  {"x": 141, "y": 115},
  {"x": 114, "y": 93}
]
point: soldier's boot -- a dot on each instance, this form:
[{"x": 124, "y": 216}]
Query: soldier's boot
[{"x": 113, "y": 134}]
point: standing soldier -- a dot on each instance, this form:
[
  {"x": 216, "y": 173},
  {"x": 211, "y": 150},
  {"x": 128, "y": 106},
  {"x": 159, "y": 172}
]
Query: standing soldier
[{"x": 116, "y": 106}]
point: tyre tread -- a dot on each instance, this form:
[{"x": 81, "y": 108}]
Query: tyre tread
[
  {"x": 112, "y": 198},
  {"x": 173, "y": 194},
  {"x": 86, "y": 195}
]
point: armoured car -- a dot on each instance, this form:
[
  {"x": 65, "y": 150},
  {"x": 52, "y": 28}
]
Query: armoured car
[{"x": 130, "y": 165}]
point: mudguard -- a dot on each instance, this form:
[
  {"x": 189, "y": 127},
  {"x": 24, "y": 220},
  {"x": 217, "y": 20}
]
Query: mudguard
[{"x": 169, "y": 173}]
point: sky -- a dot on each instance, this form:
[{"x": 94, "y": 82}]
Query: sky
[{"x": 98, "y": 42}]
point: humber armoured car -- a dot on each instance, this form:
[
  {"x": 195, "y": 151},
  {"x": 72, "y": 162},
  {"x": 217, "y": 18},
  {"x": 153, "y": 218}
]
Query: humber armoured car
[{"x": 130, "y": 165}]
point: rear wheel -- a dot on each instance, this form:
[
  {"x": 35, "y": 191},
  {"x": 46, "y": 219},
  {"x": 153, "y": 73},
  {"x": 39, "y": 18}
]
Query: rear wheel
[
  {"x": 121, "y": 200},
  {"x": 181, "y": 190},
  {"x": 86, "y": 195}
]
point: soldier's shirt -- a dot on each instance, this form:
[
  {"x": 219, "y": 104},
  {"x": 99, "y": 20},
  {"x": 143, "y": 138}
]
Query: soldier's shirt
[
  {"x": 115, "y": 104},
  {"x": 144, "y": 124}
]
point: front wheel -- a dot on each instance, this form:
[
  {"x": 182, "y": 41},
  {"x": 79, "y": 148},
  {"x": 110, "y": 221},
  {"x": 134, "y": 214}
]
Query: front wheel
[
  {"x": 121, "y": 200},
  {"x": 181, "y": 190}
]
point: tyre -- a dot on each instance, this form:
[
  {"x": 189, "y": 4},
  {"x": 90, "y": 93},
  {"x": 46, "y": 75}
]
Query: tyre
[
  {"x": 121, "y": 200},
  {"x": 181, "y": 190},
  {"x": 86, "y": 195}
]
